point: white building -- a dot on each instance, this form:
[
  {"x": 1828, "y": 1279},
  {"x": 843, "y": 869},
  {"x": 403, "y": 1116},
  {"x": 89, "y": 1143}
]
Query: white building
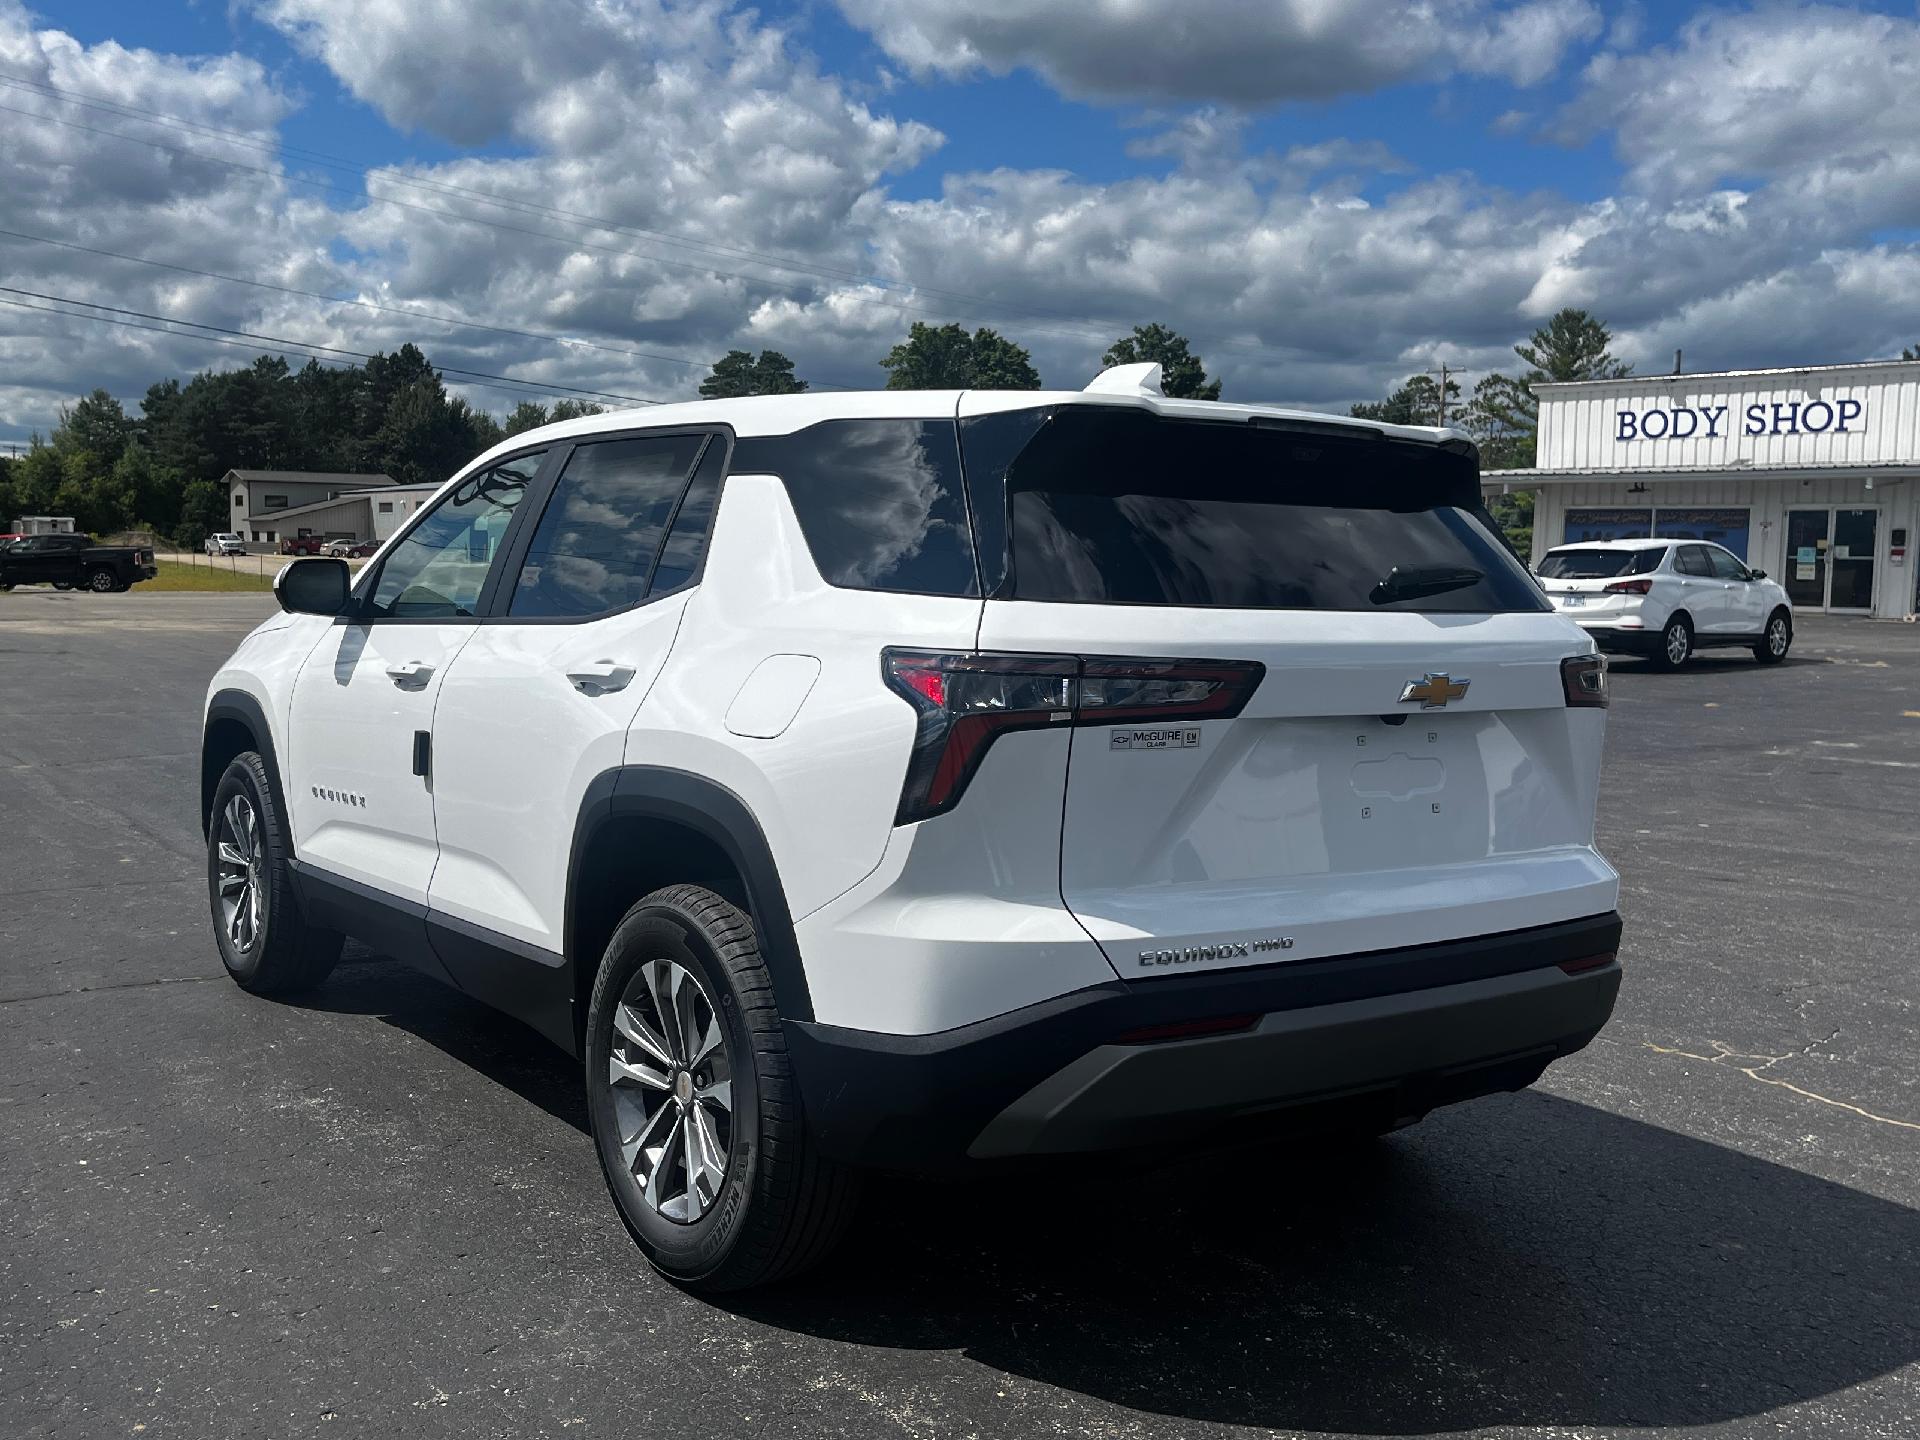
[
  {"x": 1812, "y": 475},
  {"x": 359, "y": 515}
]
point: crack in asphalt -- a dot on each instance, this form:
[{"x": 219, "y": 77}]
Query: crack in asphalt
[
  {"x": 101, "y": 989},
  {"x": 1724, "y": 1051}
]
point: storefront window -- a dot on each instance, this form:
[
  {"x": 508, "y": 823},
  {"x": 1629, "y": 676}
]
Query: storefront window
[
  {"x": 1722, "y": 527},
  {"x": 1584, "y": 526}
]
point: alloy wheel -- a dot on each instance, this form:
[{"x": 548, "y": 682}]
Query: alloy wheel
[
  {"x": 240, "y": 888},
  {"x": 1777, "y": 635},
  {"x": 672, "y": 1083},
  {"x": 1677, "y": 644}
]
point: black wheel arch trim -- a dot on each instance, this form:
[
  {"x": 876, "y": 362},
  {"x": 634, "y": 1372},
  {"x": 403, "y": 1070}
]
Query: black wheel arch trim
[
  {"x": 710, "y": 809},
  {"x": 238, "y": 705}
]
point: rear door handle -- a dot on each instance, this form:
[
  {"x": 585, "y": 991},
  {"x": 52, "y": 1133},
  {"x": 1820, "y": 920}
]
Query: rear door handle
[
  {"x": 410, "y": 676},
  {"x": 602, "y": 677}
]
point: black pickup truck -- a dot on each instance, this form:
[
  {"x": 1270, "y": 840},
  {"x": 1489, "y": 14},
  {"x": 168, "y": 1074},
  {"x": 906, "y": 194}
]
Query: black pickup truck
[{"x": 70, "y": 561}]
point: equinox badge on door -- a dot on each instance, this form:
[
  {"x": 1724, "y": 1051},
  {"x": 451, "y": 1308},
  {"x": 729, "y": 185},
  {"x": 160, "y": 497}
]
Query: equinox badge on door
[{"x": 1435, "y": 691}]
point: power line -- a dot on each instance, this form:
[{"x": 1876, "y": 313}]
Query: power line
[
  {"x": 371, "y": 305},
  {"x": 301, "y": 347}
]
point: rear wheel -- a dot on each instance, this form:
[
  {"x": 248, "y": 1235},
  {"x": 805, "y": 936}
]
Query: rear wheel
[
  {"x": 695, "y": 1113},
  {"x": 265, "y": 942},
  {"x": 1772, "y": 646},
  {"x": 63, "y": 584},
  {"x": 101, "y": 581},
  {"x": 1676, "y": 644}
]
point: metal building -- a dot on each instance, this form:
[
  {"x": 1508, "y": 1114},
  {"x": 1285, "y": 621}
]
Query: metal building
[{"x": 1812, "y": 475}]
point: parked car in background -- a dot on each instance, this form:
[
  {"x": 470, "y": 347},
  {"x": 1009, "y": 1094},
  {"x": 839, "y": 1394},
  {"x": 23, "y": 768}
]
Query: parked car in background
[
  {"x": 303, "y": 545},
  {"x": 67, "y": 562},
  {"x": 225, "y": 542},
  {"x": 1667, "y": 598},
  {"x": 1139, "y": 774},
  {"x": 350, "y": 549}
]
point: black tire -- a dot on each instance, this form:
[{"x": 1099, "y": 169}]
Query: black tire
[
  {"x": 780, "y": 1206},
  {"x": 279, "y": 953},
  {"x": 101, "y": 581},
  {"x": 1675, "y": 646},
  {"x": 63, "y": 584},
  {"x": 1772, "y": 646}
]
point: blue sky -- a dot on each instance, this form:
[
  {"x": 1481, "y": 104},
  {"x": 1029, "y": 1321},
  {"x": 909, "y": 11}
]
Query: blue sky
[{"x": 1323, "y": 195}]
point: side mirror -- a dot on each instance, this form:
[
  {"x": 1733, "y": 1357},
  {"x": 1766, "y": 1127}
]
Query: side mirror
[
  {"x": 312, "y": 586},
  {"x": 1756, "y": 574}
]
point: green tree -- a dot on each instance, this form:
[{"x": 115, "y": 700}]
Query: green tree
[
  {"x": 527, "y": 415},
  {"x": 1182, "y": 375},
  {"x": 740, "y": 373},
  {"x": 98, "y": 425},
  {"x": 1415, "y": 402},
  {"x": 573, "y": 410},
  {"x": 948, "y": 358}
]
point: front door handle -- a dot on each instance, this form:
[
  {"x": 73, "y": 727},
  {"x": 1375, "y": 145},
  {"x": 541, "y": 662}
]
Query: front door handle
[
  {"x": 411, "y": 675},
  {"x": 602, "y": 677}
]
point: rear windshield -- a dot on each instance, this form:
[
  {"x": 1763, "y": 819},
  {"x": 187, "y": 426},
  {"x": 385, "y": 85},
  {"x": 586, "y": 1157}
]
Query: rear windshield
[
  {"x": 1600, "y": 564},
  {"x": 1117, "y": 506}
]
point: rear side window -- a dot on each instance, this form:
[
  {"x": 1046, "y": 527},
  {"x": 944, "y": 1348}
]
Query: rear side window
[
  {"x": 879, "y": 501},
  {"x": 594, "y": 549},
  {"x": 1601, "y": 564},
  {"x": 1117, "y": 506},
  {"x": 1692, "y": 560}
]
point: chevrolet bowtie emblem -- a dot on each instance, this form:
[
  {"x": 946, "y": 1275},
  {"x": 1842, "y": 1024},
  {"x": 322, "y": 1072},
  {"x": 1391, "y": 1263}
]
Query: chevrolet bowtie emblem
[{"x": 1434, "y": 691}]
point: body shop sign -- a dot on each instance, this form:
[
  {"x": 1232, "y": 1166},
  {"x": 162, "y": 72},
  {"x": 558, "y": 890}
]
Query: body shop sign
[{"x": 1710, "y": 422}]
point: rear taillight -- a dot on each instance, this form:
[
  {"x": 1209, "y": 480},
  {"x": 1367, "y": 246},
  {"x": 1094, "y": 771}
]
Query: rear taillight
[
  {"x": 964, "y": 702},
  {"x": 1584, "y": 679},
  {"x": 1629, "y": 587}
]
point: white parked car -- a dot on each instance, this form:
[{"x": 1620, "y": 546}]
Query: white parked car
[
  {"x": 1668, "y": 598},
  {"x": 923, "y": 780},
  {"x": 225, "y": 542}
]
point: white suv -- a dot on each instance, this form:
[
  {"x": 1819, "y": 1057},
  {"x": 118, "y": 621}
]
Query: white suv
[
  {"x": 1667, "y": 598},
  {"x": 926, "y": 780}
]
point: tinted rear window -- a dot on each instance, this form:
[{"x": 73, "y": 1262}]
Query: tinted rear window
[
  {"x": 1601, "y": 564},
  {"x": 879, "y": 501},
  {"x": 1120, "y": 507}
]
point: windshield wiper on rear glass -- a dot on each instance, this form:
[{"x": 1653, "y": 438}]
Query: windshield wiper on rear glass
[{"x": 1416, "y": 581}]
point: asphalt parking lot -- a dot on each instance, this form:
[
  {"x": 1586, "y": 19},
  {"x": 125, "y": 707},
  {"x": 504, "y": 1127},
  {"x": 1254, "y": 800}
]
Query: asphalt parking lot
[{"x": 377, "y": 1213}]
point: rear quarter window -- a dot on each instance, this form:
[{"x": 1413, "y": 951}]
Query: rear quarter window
[{"x": 879, "y": 501}]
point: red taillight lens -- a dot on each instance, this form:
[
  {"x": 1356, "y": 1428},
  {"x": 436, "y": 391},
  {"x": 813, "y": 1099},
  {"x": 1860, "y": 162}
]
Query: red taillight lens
[
  {"x": 964, "y": 702},
  {"x": 1584, "y": 679},
  {"x": 1629, "y": 587},
  {"x": 1587, "y": 962}
]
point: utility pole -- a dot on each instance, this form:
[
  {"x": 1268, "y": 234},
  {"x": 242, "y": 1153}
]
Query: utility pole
[{"x": 1441, "y": 419}]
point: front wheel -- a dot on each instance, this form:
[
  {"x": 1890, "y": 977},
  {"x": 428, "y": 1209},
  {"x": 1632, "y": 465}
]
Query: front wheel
[
  {"x": 1676, "y": 644},
  {"x": 265, "y": 942},
  {"x": 694, "y": 1109},
  {"x": 1772, "y": 646}
]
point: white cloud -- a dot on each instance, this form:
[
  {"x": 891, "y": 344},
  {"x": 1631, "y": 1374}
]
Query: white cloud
[
  {"x": 1318, "y": 274},
  {"x": 1243, "y": 52}
]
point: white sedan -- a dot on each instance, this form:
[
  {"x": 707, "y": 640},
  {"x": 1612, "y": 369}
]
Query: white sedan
[{"x": 1667, "y": 598}]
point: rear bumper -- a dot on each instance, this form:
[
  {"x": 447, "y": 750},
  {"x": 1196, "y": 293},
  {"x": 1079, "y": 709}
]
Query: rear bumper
[{"x": 1361, "y": 1039}]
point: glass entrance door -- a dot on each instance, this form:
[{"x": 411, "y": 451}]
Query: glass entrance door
[
  {"x": 1830, "y": 558},
  {"x": 1808, "y": 532},
  {"x": 1856, "y": 539}
]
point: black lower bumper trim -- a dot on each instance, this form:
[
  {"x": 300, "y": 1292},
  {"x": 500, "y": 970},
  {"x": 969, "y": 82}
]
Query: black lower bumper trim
[{"x": 919, "y": 1102}]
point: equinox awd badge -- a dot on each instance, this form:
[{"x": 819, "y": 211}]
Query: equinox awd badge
[{"x": 1226, "y": 949}]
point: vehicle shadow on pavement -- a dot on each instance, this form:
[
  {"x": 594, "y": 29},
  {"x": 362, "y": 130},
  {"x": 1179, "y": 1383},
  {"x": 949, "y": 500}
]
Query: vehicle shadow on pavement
[
  {"x": 1524, "y": 1260},
  {"x": 1521, "y": 1260}
]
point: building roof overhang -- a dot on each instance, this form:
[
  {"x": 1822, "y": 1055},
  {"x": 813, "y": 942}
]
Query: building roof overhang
[{"x": 1500, "y": 481}]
